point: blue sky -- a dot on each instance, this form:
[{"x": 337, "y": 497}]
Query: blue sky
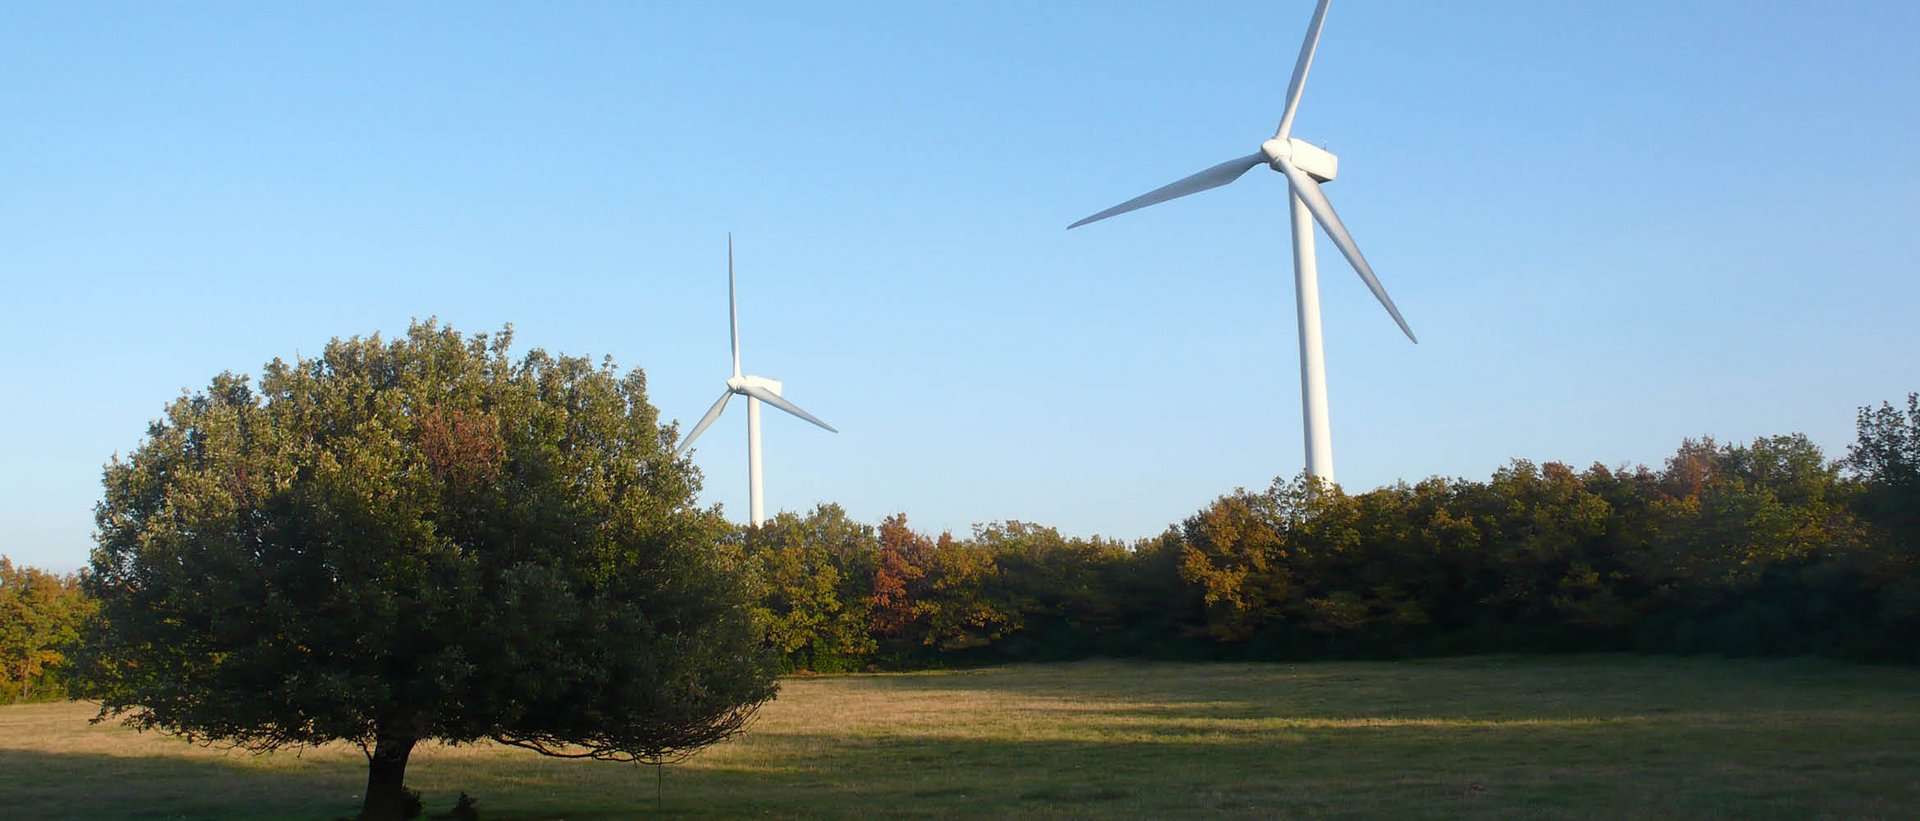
[{"x": 1612, "y": 225}]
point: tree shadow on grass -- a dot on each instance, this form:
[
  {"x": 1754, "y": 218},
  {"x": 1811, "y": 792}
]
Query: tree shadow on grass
[
  {"x": 80, "y": 785},
  {"x": 194, "y": 783}
]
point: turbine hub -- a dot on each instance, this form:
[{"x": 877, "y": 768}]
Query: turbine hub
[
  {"x": 1277, "y": 150},
  {"x": 1318, "y": 162}
]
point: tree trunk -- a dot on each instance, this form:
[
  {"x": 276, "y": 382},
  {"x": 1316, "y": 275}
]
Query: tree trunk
[{"x": 386, "y": 797}]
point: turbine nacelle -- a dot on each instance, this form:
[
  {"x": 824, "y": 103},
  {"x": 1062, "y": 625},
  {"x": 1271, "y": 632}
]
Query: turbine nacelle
[
  {"x": 740, "y": 384},
  {"x": 1317, "y": 162}
]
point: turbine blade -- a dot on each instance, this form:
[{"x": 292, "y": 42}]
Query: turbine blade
[
  {"x": 712, "y": 414},
  {"x": 733, "y": 307},
  {"x": 1310, "y": 194},
  {"x": 774, "y": 399},
  {"x": 1300, "y": 67},
  {"x": 1214, "y": 177}
]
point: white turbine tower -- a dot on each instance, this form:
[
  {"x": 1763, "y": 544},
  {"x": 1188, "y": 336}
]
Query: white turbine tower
[
  {"x": 1306, "y": 166},
  {"x": 756, "y": 389}
]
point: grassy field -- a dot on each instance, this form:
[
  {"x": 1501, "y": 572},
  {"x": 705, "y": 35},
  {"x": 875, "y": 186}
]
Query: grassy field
[{"x": 1587, "y": 736}]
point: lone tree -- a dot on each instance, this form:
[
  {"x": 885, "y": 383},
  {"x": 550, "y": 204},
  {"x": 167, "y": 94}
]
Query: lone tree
[{"x": 420, "y": 539}]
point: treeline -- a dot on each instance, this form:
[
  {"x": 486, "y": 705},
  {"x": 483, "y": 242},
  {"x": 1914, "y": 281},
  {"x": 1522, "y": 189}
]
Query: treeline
[
  {"x": 1766, "y": 548},
  {"x": 40, "y": 615}
]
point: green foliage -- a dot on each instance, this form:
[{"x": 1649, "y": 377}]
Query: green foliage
[
  {"x": 40, "y": 615},
  {"x": 1242, "y": 551},
  {"x": 1756, "y": 548},
  {"x": 957, "y": 610},
  {"x": 1887, "y": 457},
  {"x": 935, "y": 596},
  {"x": 420, "y": 539},
  {"x": 811, "y": 574},
  {"x": 1065, "y": 595}
]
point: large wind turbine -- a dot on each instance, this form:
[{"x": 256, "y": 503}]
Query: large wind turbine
[
  {"x": 1306, "y": 166},
  {"x": 756, "y": 389}
]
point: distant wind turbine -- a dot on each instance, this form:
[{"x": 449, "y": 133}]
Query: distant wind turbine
[
  {"x": 1306, "y": 166},
  {"x": 756, "y": 389}
]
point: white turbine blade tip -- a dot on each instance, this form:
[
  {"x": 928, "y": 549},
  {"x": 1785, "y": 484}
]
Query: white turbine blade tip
[
  {"x": 777, "y": 401},
  {"x": 1316, "y": 201},
  {"x": 733, "y": 307},
  {"x": 712, "y": 414},
  {"x": 1214, "y": 177},
  {"x": 1300, "y": 68}
]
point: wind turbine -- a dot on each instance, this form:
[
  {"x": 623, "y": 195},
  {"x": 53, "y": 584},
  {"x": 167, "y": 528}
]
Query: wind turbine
[
  {"x": 756, "y": 389},
  {"x": 1306, "y": 166}
]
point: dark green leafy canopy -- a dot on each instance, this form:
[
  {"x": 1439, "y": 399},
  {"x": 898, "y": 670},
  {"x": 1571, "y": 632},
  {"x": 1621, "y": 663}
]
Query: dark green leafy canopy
[
  {"x": 421, "y": 539},
  {"x": 1887, "y": 457}
]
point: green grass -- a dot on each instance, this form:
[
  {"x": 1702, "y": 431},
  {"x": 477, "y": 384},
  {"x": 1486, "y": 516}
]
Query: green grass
[{"x": 1583, "y": 736}]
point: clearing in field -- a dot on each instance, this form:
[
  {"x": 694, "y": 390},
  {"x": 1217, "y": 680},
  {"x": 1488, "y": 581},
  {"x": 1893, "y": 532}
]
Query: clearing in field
[{"x": 1580, "y": 736}]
